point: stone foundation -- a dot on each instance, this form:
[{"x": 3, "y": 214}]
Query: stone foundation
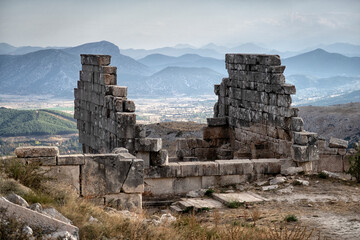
[{"x": 113, "y": 179}]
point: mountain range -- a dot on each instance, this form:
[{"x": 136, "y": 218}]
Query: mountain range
[{"x": 56, "y": 71}]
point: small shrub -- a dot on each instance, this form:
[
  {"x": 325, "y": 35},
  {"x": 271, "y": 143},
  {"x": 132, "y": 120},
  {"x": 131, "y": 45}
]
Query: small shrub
[
  {"x": 235, "y": 204},
  {"x": 209, "y": 192},
  {"x": 29, "y": 175},
  {"x": 323, "y": 175},
  {"x": 291, "y": 218},
  {"x": 354, "y": 169}
]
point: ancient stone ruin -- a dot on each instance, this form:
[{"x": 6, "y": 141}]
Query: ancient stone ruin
[{"x": 254, "y": 132}]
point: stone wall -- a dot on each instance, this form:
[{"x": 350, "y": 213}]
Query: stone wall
[
  {"x": 253, "y": 117},
  {"x": 334, "y": 155},
  {"x": 106, "y": 119},
  {"x": 114, "y": 179}
]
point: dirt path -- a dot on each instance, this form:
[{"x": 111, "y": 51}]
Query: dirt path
[{"x": 328, "y": 207}]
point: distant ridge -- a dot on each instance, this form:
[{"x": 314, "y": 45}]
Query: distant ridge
[{"x": 322, "y": 64}]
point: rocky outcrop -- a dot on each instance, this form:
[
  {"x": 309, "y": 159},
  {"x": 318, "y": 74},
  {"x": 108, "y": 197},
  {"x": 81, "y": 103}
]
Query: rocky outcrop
[{"x": 52, "y": 223}]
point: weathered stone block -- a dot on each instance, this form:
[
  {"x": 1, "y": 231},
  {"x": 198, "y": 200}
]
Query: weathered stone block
[
  {"x": 118, "y": 104},
  {"x": 140, "y": 131},
  {"x": 331, "y": 163},
  {"x": 103, "y": 174},
  {"x": 185, "y": 185},
  {"x": 109, "y": 69},
  {"x": 43, "y": 161},
  {"x": 144, "y": 156},
  {"x": 148, "y": 144},
  {"x": 36, "y": 151},
  {"x": 159, "y": 158},
  {"x": 123, "y": 118},
  {"x": 205, "y": 153},
  {"x": 116, "y": 91},
  {"x": 215, "y": 132},
  {"x": 297, "y": 124},
  {"x": 304, "y": 138},
  {"x": 129, "y": 106},
  {"x": 34, "y": 219},
  {"x": 68, "y": 175},
  {"x": 267, "y": 166},
  {"x": 235, "y": 167},
  {"x": 289, "y": 88},
  {"x": 134, "y": 182},
  {"x": 74, "y": 159},
  {"x": 108, "y": 79},
  {"x": 159, "y": 186},
  {"x": 337, "y": 143},
  {"x": 213, "y": 122},
  {"x": 100, "y": 60},
  {"x": 300, "y": 153}
]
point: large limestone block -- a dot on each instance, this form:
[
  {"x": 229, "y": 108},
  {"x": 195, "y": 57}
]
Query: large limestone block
[
  {"x": 35, "y": 219},
  {"x": 338, "y": 143},
  {"x": 159, "y": 158},
  {"x": 213, "y": 122},
  {"x": 159, "y": 186},
  {"x": 267, "y": 166},
  {"x": 297, "y": 124},
  {"x": 187, "y": 184},
  {"x": 168, "y": 171},
  {"x": 148, "y": 144},
  {"x": 331, "y": 163},
  {"x": 68, "y": 175},
  {"x": 90, "y": 59},
  {"x": 192, "y": 169},
  {"x": 305, "y": 138},
  {"x": 108, "y": 79},
  {"x": 43, "y": 161},
  {"x": 104, "y": 174},
  {"x": 36, "y": 151},
  {"x": 235, "y": 167},
  {"x": 116, "y": 91},
  {"x": 215, "y": 132},
  {"x": 109, "y": 69},
  {"x": 74, "y": 159},
  {"x": 134, "y": 182}
]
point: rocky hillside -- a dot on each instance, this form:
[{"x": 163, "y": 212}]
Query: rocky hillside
[{"x": 341, "y": 121}]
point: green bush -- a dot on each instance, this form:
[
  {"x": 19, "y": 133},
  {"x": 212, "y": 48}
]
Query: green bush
[
  {"x": 235, "y": 204},
  {"x": 209, "y": 192},
  {"x": 354, "y": 169},
  {"x": 30, "y": 175},
  {"x": 291, "y": 218}
]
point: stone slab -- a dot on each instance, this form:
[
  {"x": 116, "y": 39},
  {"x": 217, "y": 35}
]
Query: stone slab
[
  {"x": 36, "y": 151},
  {"x": 35, "y": 219},
  {"x": 338, "y": 143},
  {"x": 248, "y": 197},
  {"x": 201, "y": 203},
  {"x": 74, "y": 159}
]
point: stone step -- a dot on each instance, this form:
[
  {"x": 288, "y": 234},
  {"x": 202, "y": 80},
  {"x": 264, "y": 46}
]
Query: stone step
[
  {"x": 197, "y": 204},
  {"x": 175, "y": 208},
  {"x": 242, "y": 197}
]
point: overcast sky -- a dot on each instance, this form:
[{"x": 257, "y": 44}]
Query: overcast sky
[{"x": 280, "y": 24}]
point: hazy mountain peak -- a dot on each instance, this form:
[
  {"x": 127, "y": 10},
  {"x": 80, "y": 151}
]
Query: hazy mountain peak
[{"x": 102, "y": 47}]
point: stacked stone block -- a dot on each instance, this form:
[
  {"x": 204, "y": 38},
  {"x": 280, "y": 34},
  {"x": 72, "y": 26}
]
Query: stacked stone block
[
  {"x": 334, "y": 156},
  {"x": 253, "y": 117},
  {"x": 114, "y": 179},
  {"x": 106, "y": 118}
]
